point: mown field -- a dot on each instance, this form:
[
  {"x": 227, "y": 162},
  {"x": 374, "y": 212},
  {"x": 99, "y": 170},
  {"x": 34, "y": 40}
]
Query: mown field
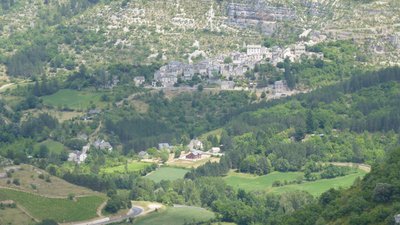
[
  {"x": 167, "y": 173},
  {"x": 58, "y": 209},
  {"x": 188, "y": 164},
  {"x": 318, "y": 187},
  {"x": 133, "y": 166},
  {"x": 176, "y": 216},
  {"x": 253, "y": 183},
  {"x": 78, "y": 100}
]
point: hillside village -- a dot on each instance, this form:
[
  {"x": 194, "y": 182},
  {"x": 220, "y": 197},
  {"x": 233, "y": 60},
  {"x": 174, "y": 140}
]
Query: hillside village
[{"x": 228, "y": 68}]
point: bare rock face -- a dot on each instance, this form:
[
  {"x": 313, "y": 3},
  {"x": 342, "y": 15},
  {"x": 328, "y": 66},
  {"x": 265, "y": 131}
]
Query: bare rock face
[{"x": 258, "y": 14}]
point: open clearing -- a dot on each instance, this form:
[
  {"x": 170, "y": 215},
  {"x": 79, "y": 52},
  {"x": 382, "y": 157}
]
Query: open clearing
[
  {"x": 133, "y": 166},
  {"x": 188, "y": 164},
  {"x": 58, "y": 209},
  {"x": 175, "y": 216},
  {"x": 316, "y": 188},
  {"x": 167, "y": 173},
  {"x": 53, "y": 146},
  {"x": 28, "y": 176},
  {"x": 15, "y": 216},
  {"x": 78, "y": 100}
]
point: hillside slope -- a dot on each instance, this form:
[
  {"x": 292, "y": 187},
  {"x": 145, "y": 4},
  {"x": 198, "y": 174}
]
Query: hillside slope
[{"x": 96, "y": 32}]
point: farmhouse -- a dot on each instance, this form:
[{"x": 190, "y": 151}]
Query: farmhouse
[
  {"x": 215, "y": 150},
  {"x": 103, "y": 145},
  {"x": 196, "y": 144},
  {"x": 194, "y": 155},
  {"x": 77, "y": 156},
  {"x": 143, "y": 155}
]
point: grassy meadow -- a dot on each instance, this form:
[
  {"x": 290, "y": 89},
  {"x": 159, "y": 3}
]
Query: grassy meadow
[
  {"x": 318, "y": 187},
  {"x": 53, "y": 146},
  {"x": 73, "y": 99},
  {"x": 133, "y": 166},
  {"x": 257, "y": 183},
  {"x": 167, "y": 173},
  {"x": 175, "y": 216},
  {"x": 58, "y": 209}
]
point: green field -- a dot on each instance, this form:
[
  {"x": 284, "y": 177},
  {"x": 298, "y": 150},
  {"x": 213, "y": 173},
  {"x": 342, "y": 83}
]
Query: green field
[
  {"x": 253, "y": 183},
  {"x": 318, "y": 187},
  {"x": 131, "y": 167},
  {"x": 15, "y": 216},
  {"x": 175, "y": 216},
  {"x": 73, "y": 99},
  {"x": 167, "y": 173},
  {"x": 53, "y": 146},
  {"x": 58, "y": 209}
]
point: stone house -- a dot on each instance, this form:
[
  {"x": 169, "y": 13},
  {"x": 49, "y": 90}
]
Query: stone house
[
  {"x": 139, "y": 80},
  {"x": 143, "y": 155},
  {"x": 280, "y": 86},
  {"x": 103, "y": 145},
  {"x": 202, "y": 68},
  {"x": 299, "y": 49},
  {"x": 168, "y": 75},
  {"x": 188, "y": 73},
  {"x": 77, "y": 156}
]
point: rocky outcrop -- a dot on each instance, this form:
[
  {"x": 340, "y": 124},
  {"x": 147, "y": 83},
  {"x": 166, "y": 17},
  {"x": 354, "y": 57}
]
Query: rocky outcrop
[{"x": 258, "y": 14}]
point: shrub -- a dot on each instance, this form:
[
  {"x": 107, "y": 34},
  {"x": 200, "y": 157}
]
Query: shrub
[{"x": 16, "y": 181}]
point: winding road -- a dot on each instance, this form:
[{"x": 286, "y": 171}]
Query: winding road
[{"x": 133, "y": 212}]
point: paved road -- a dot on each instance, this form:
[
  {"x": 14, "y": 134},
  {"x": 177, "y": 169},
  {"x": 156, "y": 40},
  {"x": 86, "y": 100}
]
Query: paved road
[{"x": 133, "y": 212}]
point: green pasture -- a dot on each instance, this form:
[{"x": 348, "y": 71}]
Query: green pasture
[
  {"x": 133, "y": 166},
  {"x": 258, "y": 183},
  {"x": 58, "y": 209},
  {"x": 176, "y": 216},
  {"x": 73, "y": 99}
]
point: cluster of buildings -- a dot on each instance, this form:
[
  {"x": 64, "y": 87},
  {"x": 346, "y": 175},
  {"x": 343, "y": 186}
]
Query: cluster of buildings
[
  {"x": 230, "y": 67},
  {"x": 80, "y": 156},
  {"x": 195, "y": 151}
]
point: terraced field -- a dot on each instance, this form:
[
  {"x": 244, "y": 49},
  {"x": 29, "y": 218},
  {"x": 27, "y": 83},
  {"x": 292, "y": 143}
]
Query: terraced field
[{"x": 58, "y": 209}]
